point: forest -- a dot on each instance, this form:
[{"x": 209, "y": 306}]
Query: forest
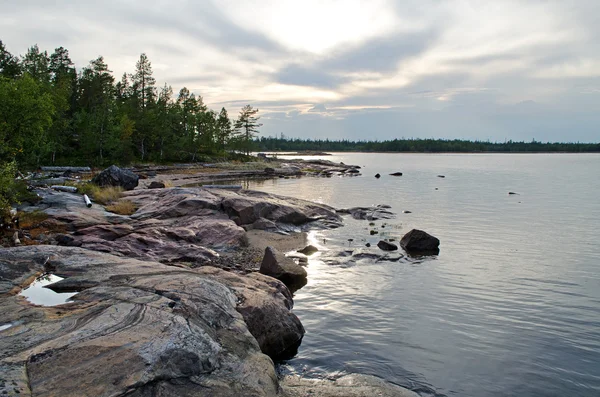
[
  {"x": 422, "y": 146},
  {"x": 50, "y": 113}
]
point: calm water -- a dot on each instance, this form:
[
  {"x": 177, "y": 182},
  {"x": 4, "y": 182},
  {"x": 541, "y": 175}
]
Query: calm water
[{"x": 510, "y": 307}]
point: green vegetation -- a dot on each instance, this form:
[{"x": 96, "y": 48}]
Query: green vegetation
[
  {"x": 422, "y": 146},
  {"x": 50, "y": 113}
]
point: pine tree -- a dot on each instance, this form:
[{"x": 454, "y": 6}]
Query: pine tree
[
  {"x": 247, "y": 125},
  {"x": 9, "y": 64},
  {"x": 224, "y": 129}
]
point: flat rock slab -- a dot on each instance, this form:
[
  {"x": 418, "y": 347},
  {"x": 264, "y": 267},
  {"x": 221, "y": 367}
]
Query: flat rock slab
[
  {"x": 179, "y": 225},
  {"x": 140, "y": 328},
  {"x": 353, "y": 385}
]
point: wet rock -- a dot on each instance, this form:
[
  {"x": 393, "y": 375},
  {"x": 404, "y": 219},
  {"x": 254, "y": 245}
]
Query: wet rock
[
  {"x": 353, "y": 385},
  {"x": 396, "y": 174},
  {"x": 353, "y": 171},
  {"x": 386, "y": 246},
  {"x": 420, "y": 242},
  {"x": 156, "y": 185},
  {"x": 368, "y": 213},
  {"x": 284, "y": 269},
  {"x": 511, "y": 193},
  {"x": 441, "y": 176},
  {"x": 308, "y": 250},
  {"x": 115, "y": 176},
  {"x": 377, "y": 176}
]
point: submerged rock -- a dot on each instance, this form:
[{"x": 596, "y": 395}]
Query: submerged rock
[
  {"x": 308, "y": 250},
  {"x": 115, "y": 176},
  {"x": 284, "y": 269},
  {"x": 384, "y": 245},
  {"x": 369, "y": 213},
  {"x": 353, "y": 385},
  {"x": 420, "y": 242}
]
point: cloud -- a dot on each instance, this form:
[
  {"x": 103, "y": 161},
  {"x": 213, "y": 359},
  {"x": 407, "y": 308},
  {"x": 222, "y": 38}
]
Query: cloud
[
  {"x": 450, "y": 69},
  {"x": 318, "y": 108}
]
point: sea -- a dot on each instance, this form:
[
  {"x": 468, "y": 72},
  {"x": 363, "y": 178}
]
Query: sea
[{"x": 509, "y": 307}]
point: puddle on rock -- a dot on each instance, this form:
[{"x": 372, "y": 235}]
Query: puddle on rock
[
  {"x": 38, "y": 295},
  {"x": 5, "y": 326}
]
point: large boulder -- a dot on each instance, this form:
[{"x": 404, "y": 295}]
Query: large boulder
[
  {"x": 419, "y": 242},
  {"x": 276, "y": 265},
  {"x": 138, "y": 328},
  {"x": 114, "y": 176}
]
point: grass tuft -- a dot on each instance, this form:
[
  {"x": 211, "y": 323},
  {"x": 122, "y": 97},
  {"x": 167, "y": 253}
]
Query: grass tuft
[{"x": 122, "y": 207}]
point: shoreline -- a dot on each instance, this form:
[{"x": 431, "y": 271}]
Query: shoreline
[{"x": 175, "y": 234}]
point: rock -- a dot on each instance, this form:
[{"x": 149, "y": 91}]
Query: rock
[
  {"x": 264, "y": 224},
  {"x": 367, "y": 245},
  {"x": 284, "y": 269},
  {"x": 308, "y": 250},
  {"x": 510, "y": 193},
  {"x": 418, "y": 241},
  {"x": 407, "y": 212},
  {"x": 373, "y": 232},
  {"x": 156, "y": 185},
  {"x": 353, "y": 385},
  {"x": 353, "y": 171},
  {"x": 441, "y": 176},
  {"x": 396, "y": 174},
  {"x": 384, "y": 245},
  {"x": 141, "y": 328},
  {"x": 368, "y": 213},
  {"x": 269, "y": 170},
  {"x": 67, "y": 240},
  {"x": 115, "y": 176},
  {"x": 377, "y": 176}
]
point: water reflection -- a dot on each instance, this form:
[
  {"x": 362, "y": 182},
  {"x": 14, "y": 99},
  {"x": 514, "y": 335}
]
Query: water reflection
[
  {"x": 509, "y": 308},
  {"x": 37, "y": 294}
]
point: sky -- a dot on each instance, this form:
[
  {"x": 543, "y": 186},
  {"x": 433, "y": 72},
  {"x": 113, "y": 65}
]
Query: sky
[{"x": 360, "y": 70}]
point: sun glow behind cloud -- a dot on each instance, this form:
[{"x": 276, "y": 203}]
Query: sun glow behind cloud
[
  {"x": 314, "y": 26},
  {"x": 349, "y": 56}
]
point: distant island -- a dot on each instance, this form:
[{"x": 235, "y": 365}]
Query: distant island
[{"x": 269, "y": 144}]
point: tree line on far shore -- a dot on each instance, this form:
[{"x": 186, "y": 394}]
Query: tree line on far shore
[
  {"x": 422, "y": 146},
  {"x": 50, "y": 113}
]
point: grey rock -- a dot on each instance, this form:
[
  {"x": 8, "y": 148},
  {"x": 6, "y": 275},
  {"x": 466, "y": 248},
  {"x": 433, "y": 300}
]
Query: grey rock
[
  {"x": 386, "y": 246},
  {"x": 140, "y": 327},
  {"x": 115, "y": 176},
  {"x": 308, "y": 250},
  {"x": 353, "y": 385},
  {"x": 284, "y": 269},
  {"x": 419, "y": 242},
  {"x": 156, "y": 185},
  {"x": 368, "y": 213}
]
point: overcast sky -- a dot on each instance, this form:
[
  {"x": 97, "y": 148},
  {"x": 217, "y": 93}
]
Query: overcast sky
[{"x": 377, "y": 69}]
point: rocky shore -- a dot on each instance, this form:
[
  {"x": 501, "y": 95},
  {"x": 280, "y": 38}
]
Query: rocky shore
[{"x": 169, "y": 301}]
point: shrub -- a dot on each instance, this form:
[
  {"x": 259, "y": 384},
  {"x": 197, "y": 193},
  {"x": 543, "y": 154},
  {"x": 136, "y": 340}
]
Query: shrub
[{"x": 7, "y": 189}]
